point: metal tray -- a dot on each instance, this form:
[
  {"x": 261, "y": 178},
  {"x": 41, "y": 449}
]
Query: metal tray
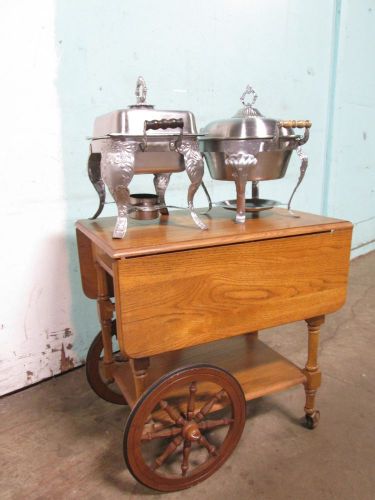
[{"x": 252, "y": 204}]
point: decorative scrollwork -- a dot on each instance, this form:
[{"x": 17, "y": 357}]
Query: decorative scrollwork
[
  {"x": 161, "y": 182},
  {"x": 118, "y": 170},
  {"x": 194, "y": 168},
  {"x": 240, "y": 162}
]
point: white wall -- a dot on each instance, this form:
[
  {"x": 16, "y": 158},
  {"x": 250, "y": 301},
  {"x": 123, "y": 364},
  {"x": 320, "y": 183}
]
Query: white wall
[{"x": 65, "y": 62}]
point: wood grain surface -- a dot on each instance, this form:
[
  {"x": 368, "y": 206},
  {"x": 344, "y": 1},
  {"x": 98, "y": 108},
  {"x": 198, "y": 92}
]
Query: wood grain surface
[
  {"x": 175, "y": 300},
  {"x": 87, "y": 265},
  {"x": 258, "y": 368},
  {"x": 178, "y": 232}
]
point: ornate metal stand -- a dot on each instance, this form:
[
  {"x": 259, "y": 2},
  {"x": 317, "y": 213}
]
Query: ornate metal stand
[{"x": 240, "y": 162}]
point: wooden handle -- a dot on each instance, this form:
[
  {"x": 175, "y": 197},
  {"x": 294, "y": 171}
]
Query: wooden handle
[
  {"x": 295, "y": 124},
  {"x": 163, "y": 124}
]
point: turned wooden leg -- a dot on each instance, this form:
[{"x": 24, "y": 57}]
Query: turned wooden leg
[
  {"x": 312, "y": 372},
  {"x": 105, "y": 313},
  {"x": 140, "y": 368}
]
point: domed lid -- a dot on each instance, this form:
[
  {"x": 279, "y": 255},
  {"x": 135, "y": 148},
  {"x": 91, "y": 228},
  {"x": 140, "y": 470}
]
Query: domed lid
[
  {"x": 247, "y": 123},
  {"x": 130, "y": 122}
]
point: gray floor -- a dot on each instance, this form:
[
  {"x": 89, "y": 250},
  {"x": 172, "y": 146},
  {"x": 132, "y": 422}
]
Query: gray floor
[{"x": 61, "y": 441}]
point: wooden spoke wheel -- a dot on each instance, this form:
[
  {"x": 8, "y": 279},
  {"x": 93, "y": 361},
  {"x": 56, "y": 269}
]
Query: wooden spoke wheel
[
  {"x": 184, "y": 427},
  {"x": 103, "y": 387}
]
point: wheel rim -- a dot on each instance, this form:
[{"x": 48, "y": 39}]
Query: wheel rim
[
  {"x": 190, "y": 436},
  {"x": 104, "y": 388}
]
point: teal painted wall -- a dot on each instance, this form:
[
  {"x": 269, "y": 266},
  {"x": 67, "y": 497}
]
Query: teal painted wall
[
  {"x": 197, "y": 56},
  {"x": 350, "y": 186},
  {"x": 68, "y": 61}
]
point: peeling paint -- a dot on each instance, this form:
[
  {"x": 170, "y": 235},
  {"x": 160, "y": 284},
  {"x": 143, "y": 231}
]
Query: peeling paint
[
  {"x": 69, "y": 346},
  {"x": 66, "y": 363},
  {"x": 67, "y": 332},
  {"x": 29, "y": 375}
]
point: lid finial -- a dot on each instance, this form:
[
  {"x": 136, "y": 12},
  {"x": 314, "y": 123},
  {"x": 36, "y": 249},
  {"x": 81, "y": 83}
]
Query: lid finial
[
  {"x": 248, "y": 109},
  {"x": 249, "y": 90},
  {"x": 141, "y": 91}
]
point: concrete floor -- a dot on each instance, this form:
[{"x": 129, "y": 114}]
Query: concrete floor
[{"x": 60, "y": 441}]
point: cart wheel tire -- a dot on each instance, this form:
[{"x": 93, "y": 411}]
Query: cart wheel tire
[
  {"x": 94, "y": 374},
  {"x": 159, "y": 420},
  {"x": 312, "y": 421}
]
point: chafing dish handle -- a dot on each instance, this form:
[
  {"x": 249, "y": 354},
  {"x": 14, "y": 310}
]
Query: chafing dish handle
[
  {"x": 306, "y": 124},
  {"x": 295, "y": 123},
  {"x": 161, "y": 124}
]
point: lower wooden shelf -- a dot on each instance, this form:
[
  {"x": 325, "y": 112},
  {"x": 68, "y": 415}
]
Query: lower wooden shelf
[{"x": 259, "y": 369}]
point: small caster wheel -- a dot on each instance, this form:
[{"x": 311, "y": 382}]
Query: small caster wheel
[
  {"x": 104, "y": 388},
  {"x": 312, "y": 420},
  {"x": 184, "y": 427}
]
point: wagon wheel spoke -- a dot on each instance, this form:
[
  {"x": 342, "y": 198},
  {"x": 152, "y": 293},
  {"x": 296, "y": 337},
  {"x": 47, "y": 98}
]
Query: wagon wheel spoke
[
  {"x": 160, "y": 425},
  {"x": 161, "y": 434},
  {"x": 191, "y": 402},
  {"x": 209, "y": 447},
  {"x": 173, "y": 445},
  {"x": 207, "y": 407},
  {"x": 185, "y": 460},
  {"x": 213, "y": 424},
  {"x": 172, "y": 412}
]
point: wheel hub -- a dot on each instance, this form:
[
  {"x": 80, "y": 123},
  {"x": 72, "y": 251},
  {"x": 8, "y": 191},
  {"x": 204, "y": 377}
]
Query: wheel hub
[{"x": 191, "y": 431}]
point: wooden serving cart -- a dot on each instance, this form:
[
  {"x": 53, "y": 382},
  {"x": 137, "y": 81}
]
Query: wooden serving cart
[{"x": 180, "y": 310}]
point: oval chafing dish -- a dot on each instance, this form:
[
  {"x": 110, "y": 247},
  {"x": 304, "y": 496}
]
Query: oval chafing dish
[{"x": 143, "y": 140}]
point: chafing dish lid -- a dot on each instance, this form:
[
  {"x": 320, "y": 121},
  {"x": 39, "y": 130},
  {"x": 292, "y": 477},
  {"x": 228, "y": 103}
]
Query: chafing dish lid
[
  {"x": 247, "y": 123},
  {"x": 130, "y": 121}
]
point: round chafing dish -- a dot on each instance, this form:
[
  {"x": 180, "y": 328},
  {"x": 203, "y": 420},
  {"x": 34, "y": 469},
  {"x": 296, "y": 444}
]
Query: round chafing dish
[{"x": 250, "y": 147}]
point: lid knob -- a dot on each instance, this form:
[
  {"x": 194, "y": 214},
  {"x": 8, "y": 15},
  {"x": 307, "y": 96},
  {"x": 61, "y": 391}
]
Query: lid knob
[
  {"x": 249, "y": 90},
  {"x": 141, "y": 91},
  {"x": 248, "y": 110}
]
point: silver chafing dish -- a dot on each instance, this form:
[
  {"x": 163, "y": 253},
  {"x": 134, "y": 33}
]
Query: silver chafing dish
[
  {"x": 250, "y": 147},
  {"x": 143, "y": 140}
]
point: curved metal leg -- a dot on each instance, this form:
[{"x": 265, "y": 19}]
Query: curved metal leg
[
  {"x": 240, "y": 178},
  {"x": 121, "y": 196},
  {"x": 240, "y": 162},
  {"x": 303, "y": 168},
  {"x": 255, "y": 189},
  {"x": 118, "y": 171},
  {"x": 194, "y": 168},
  {"x": 208, "y": 199},
  {"x": 161, "y": 182},
  {"x": 95, "y": 176}
]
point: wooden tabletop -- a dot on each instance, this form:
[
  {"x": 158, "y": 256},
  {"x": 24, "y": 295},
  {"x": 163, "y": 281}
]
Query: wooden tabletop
[{"x": 178, "y": 231}]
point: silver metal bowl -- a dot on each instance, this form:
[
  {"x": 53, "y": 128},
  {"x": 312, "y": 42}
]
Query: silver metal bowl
[{"x": 250, "y": 147}]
